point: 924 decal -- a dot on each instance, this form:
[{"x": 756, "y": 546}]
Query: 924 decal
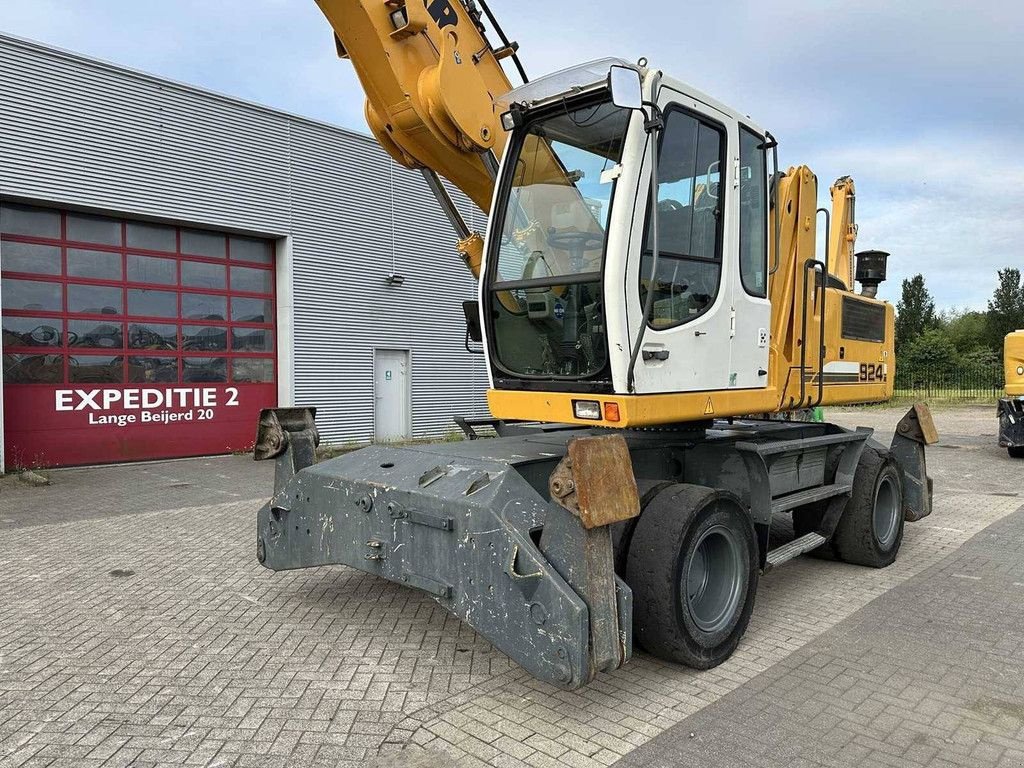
[
  {"x": 872, "y": 372},
  {"x": 851, "y": 372}
]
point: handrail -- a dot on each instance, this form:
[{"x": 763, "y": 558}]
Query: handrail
[
  {"x": 808, "y": 266},
  {"x": 653, "y": 125},
  {"x": 828, "y": 232},
  {"x": 773, "y": 145}
]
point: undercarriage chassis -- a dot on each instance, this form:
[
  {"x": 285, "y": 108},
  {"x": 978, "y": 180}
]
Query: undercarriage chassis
[{"x": 524, "y": 538}]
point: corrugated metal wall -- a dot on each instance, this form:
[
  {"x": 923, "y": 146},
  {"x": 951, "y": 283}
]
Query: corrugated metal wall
[{"x": 76, "y": 132}]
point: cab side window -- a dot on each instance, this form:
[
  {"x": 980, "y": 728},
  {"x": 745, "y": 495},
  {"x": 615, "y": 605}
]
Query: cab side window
[
  {"x": 689, "y": 222},
  {"x": 753, "y": 214}
]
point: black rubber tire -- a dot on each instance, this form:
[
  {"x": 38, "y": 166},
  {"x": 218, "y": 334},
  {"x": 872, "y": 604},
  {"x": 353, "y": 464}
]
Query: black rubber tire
[
  {"x": 662, "y": 551},
  {"x": 1015, "y": 451},
  {"x": 855, "y": 540},
  {"x": 622, "y": 532}
]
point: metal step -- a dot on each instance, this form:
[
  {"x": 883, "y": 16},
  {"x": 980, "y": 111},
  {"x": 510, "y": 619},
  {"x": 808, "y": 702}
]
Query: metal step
[
  {"x": 774, "y": 447},
  {"x": 793, "y": 549},
  {"x": 807, "y": 496}
]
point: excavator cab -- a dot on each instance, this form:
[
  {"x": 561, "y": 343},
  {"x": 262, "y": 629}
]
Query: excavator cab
[
  {"x": 574, "y": 219},
  {"x": 548, "y": 244}
]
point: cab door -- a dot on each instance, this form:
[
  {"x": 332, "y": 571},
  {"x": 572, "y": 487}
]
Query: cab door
[
  {"x": 688, "y": 342},
  {"x": 750, "y": 332}
]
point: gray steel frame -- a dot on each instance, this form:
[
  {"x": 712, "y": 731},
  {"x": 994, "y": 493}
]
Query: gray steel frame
[{"x": 473, "y": 523}]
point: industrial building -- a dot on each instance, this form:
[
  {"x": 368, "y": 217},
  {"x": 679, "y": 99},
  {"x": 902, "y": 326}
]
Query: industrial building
[{"x": 174, "y": 260}]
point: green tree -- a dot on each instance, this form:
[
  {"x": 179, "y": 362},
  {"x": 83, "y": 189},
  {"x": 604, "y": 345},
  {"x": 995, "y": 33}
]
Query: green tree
[
  {"x": 1006, "y": 307},
  {"x": 932, "y": 352},
  {"x": 968, "y": 330},
  {"x": 915, "y": 312}
]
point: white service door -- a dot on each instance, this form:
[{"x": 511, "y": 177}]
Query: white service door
[
  {"x": 688, "y": 345},
  {"x": 391, "y": 395}
]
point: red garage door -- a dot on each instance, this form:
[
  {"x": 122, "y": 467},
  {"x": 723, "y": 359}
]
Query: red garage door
[{"x": 126, "y": 340}]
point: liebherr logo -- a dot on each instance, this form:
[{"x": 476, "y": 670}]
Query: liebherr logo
[{"x": 442, "y": 13}]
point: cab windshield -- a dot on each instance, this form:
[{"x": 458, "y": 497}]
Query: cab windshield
[{"x": 546, "y": 291}]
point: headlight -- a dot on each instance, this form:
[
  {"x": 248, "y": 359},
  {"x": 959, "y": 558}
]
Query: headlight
[{"x": 587, "y": 409}]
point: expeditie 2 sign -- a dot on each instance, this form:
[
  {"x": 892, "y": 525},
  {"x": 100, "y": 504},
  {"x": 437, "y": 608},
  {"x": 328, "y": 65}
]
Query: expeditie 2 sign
[
  {"x": 87, "y": 424},
  {"x": 146, "y": 406}
]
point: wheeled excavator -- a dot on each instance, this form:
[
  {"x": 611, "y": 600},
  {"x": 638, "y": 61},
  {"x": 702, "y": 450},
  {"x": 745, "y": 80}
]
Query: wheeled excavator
[
  {"x": 1010, "y": 409},
  {"x": 650, "y": 303}
]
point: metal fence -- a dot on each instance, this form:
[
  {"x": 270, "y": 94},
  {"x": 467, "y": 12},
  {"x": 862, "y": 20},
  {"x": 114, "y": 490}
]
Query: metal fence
[{"x": 977, "y": 381}]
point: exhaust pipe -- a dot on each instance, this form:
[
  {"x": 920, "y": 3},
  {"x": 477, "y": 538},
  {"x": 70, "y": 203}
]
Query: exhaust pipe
[{"x": 871, "y": 271}]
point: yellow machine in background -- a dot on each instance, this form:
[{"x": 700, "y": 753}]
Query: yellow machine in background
[
  {"x": 1011, "y": 408},
  {"x": 648, "y": 280}
]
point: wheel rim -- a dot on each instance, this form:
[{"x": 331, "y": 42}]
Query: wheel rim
[
  {"x": 714, "y": 579},
  {"x": 886, "y": 513}
]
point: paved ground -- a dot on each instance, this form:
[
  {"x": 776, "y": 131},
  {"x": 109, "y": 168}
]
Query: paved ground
[
  {"x": 137, "y": 629},
  {"x": 131, "y": 489},
  {"x": 929, "y": 674}
]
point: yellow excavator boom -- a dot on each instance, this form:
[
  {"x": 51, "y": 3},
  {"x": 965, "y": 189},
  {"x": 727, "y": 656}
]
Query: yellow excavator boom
[
  {"x": 797, "y": 341},
  {"x": 430, "y": 76}
]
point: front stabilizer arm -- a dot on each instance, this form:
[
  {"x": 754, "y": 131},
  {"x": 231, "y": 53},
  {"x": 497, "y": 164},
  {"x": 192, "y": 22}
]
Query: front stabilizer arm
[{"x": 474, "y": 534}]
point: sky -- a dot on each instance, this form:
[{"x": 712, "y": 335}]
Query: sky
[{"x": 921, "y": 101}]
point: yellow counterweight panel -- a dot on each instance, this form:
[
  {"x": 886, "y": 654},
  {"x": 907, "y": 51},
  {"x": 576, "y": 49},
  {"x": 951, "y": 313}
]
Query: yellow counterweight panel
[
  {"x": 430, "y": 78},
  {"x": 1013, "y": 362},
  {"x": 856, "y": 371}
]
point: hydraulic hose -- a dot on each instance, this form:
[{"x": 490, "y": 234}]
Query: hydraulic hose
[{"x": 504, "y": 40}]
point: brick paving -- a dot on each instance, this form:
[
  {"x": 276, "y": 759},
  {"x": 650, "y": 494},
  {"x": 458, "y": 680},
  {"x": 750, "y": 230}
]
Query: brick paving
[
  {"x": 930, "y": 674},
  {"x": 130, "y": 489},
  {"x": 199, "y": 656},
  {"x": 621, "y": 711}
]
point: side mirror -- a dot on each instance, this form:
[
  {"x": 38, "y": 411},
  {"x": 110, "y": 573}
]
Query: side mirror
[
  {"x": 471, "y": 309},
  {"x": 624, "y": 84}
]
